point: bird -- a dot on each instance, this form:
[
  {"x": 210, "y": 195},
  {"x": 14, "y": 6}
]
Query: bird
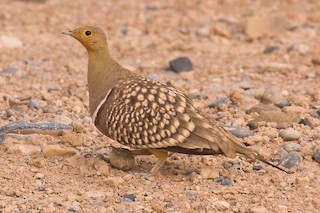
[{"x": 146, "y": 114}]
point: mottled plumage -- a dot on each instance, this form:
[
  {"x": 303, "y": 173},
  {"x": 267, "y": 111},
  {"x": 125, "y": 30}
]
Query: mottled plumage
[{"x": 143, "y": 113}]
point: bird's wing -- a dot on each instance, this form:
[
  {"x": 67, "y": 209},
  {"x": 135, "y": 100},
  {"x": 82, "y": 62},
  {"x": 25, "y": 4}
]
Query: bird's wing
[{"x": 144, "y": 113}]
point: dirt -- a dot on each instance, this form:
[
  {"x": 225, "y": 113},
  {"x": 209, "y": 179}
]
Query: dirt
[{"x": 239, "y": 50}]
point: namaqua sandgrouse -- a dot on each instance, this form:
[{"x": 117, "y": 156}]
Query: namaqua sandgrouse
[{"x": 145, "y": 114}]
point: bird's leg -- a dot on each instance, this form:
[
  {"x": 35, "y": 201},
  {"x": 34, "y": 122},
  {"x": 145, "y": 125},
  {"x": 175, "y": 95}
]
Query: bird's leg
[{"x": 162, "y": 156}]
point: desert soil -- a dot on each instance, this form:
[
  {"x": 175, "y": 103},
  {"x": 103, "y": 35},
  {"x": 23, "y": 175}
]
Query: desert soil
[{"x": 255, "y": 63}]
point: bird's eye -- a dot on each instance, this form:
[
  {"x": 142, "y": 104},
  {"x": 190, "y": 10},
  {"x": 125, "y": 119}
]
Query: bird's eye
[{"x": 88, "y": 33}]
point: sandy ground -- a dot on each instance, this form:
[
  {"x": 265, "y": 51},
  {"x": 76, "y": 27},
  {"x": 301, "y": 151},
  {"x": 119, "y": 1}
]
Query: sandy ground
[{"x": 249, "y": 52}]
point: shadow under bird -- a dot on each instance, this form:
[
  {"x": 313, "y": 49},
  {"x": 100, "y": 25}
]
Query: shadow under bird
[{"x": 145, "y": 114}]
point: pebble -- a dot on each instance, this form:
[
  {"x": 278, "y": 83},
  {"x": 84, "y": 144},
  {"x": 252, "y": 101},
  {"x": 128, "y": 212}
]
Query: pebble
[
  {"x": 277, "y": 117},
  {"x": 121, "y": 159},
  {"x": 289, "y": 134},
  {"x": 194, "y": 94},
  {"x": 306, "y": 122},
  {"x": 282, "y": 103},
  {"x": 259, "y": 209},
  {"x": 271, "y": 49},
  {"x": 221, "y": 205},
  {"x": 181, "y": 64},
  {"x": 102, "y": 168},
  {"x": 34, "y": 104},
  {"x": 75, "y": 207},
  {"x": 62, "y": 119},
  {"x": 10, "y": 70},
  {"x": 10, "y": 42},
  {"x": 129, "y": 197},
  {"x": 77, "y": 126},
  {"x": 257, "y": 167},
  {"x": 291, "y": 159},
  {"x": 58, "y": 151},
  {"x": 315, "y": 61},
  {"x": 39, "y": 176},
  {"x": 209, "y": 173},
  {"x": 41, "y": 184},
  {"x": 292, "y": 147},
  {"x": 303, "y": 49},
  {"x": 224, "y": 181},
  {"x": 219, "y": 101},
  {"x": 194, "y": 176},
  {"x": 258, "y": 108},
  {"x": 24, "y": 149},
  {"x": 203, "y": 31},
  {"x": 239, "y": 132},
  {"x": 272, "y": 95},
  {"x": 191, "y": 193},
  {"x": 317, "y": 156}
]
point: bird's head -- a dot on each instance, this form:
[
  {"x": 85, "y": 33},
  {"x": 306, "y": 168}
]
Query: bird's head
[{"x": 92, "y": 38}]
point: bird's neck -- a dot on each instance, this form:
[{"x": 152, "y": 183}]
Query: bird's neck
[{"x": 102, "y": 75}]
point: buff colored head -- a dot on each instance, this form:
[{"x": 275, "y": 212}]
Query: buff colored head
[{"x": 92, "y": 38}]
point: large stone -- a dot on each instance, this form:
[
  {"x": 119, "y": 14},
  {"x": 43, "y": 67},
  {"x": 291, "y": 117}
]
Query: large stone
[
  {"x": 24, "y": 149},
  {"x": 181, "y": 64}
]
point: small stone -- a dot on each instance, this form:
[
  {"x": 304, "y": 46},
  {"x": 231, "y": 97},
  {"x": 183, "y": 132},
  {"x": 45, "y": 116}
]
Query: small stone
[
  {"x": 221, "y": 205},
  {"x": 9, "y": 42},
  {"x": 272, "y": 95},
  {"x": 58, "y": 151},
  {"x": 191, "y": 193},
  {"x": 291, "y": 159},
  {"x": 224, "y": 181},
  {"x": 277, "y": 117},
  {"x": 75, "y": 207},
  {"x": 306, "y": 122},
  {"x": 34, "y": 104},
  {"x": 114, "y": 181},
  {"x": 282, "y": 103},
  {"x": 194, "y": 94},
  {"x": 181, "y": 64},
  {"x": 292, "y": 147},
  {"x": 14, "y": 102},
  {"x": 289, "y": 134},
  {"x": 102, "y": 167},
  {"x": 219, "y": 101},
  {"x": 317, "y": 156},
  {"x": 271, "y": 49},
  {"x": 24, "y": 149},
  {"x": 10, "y": 70},
  {"x": 256, "y": 167},
  {"x": 302, "y": 180},
  {"x": 259, "y": 209},
  {"x": 303, "y": 49},
  {"x": 121, "y": 159},
  {"x": 209, "y": 173},
  {"x": 129, "y": 197},
  {"x": 194, "y": 176},
  {"x": 203, "y": 31},
  {"x": 41, "y": 184},
  {"x": 258, "y": 108},
  {"x": 77, "y": 126},
  {"x": 39, "y": 176},
  {"x": 62, "y": 119},
  {"x": 239, "y": 132}
]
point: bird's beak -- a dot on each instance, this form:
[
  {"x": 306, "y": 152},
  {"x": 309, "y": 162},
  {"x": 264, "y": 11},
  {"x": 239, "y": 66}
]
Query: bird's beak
[{"x": 67, "y": 32}]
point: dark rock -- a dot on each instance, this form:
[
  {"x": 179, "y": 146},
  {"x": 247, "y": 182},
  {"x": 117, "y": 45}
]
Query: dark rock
[
  {"x": 224, "y": 181},
  {"x": 10, "y": 70},
  {"x": 129, "y": 197},
  {"x": 239, "y": 132},
  {"x": 168, "y": 205},
  {"x": 181, "y": 64},
  {"x": 256, "y": 167},
  {"x": 306, "y": 122},
  {"x": 291, "y": 159},
  {"x": 34, "y": 104},
  {"x": 219, "y": 101},
  {"x": 315, "y": 61},
  {"x": 282, "y": 103},
  {"x": 316, "y": 156},
  {"x": 271, "y": 49}
]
